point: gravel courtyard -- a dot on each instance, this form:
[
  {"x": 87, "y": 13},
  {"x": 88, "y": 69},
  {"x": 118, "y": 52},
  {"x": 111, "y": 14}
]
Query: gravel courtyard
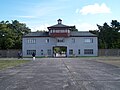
[{"x": 63, "y": 74}]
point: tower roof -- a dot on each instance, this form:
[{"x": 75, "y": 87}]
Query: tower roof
[{"x": 60, "y": 25}]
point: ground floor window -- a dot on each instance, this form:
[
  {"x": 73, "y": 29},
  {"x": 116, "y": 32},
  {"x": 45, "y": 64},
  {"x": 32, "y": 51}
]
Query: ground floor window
[
  {"x": 78, "y": 51},
  {"x": 70, "y": 51},
  {"x": 41, "y": 52},
  {"x": 30, "y": 52},
  {"x": 88, "y": 51},
  {"x": 49, "y": 51}
]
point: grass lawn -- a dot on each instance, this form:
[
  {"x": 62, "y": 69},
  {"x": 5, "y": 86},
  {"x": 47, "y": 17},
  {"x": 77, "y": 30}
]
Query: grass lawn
[
  {"x": 110, "y": 60},
  {"x": 11, "y": 63},
  {"x": 114, "y": 62}
]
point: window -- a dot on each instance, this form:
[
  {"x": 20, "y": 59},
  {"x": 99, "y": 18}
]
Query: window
[
  {"x": 57, "y": 31},
  {"x": 31, "y": 41},
  {"x": 73, "y": 40},
  {"x": 47, "y": 40},
  {"x": 49, "y": 51},
  {"x": 68, "y": 31},
  {"x": 71, "y": 52},
  {"x": 88, "y": 40},
  {"x": 88, "y": 51},
  {"x": 51, "y": 31},
  {"x": 30, "y": 52},
  {"x": 41, "y": 52},
  {"x": 79, "y": 51},
  {"x": 60, "y": 40}
]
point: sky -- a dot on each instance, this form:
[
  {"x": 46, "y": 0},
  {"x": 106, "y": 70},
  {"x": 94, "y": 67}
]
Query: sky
[{"x": 39, "y": 14}]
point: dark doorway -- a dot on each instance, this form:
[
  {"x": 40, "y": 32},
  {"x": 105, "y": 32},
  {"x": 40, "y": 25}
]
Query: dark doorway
[{"x": 60, "y": 51}]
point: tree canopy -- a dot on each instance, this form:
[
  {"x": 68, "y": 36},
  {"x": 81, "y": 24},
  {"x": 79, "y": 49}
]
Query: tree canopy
[
  {"x": 108, "y": 35},
  {"x": 11, "y": 34}
]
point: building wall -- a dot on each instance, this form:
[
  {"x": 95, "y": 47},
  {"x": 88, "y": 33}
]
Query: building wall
[
  {"x": 41, "y": 44},
  {"x": 74, "y": 43},
  {"x": 80, "y": 44}
]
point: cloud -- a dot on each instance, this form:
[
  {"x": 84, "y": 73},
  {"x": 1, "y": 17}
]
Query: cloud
[{"x": 94, "y": 9}]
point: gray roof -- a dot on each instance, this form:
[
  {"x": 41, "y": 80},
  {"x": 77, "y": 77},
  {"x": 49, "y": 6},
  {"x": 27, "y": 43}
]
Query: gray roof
[
  {"x": 81, "y": 33},
  {"x": 59, "y": 25},
  {"x": 72, "y": 33},
  {"x": 37, "y": 34}
]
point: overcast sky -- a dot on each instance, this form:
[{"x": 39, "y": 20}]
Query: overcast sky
[{"x": 39, "y": 14}]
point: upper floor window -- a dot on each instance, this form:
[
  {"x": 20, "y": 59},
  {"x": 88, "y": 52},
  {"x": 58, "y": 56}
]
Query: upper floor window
[
  {"x": 73, "y": 40},
  {"x": 60, "y": 40},
  {"x": 31, "y": 41},
  {"x": 51, "y": 31},
  {"x": 47, "y": 40},
  {"x": 88, "y": 40},
  {"x": 58, "y": 31}
]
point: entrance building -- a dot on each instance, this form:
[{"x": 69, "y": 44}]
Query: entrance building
[{"x": 60, "y": 41}]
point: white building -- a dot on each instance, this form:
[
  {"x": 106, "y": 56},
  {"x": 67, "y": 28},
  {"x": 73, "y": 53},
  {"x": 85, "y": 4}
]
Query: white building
[{"x": 61, "y": 40}]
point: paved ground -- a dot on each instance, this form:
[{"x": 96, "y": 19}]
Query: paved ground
[{"x": 61, "y": 74}]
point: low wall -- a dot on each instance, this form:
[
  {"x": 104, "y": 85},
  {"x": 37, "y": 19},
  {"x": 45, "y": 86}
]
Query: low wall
[
  {"x": 9, "y": 53},
  {"x": 109, "y": 52}
]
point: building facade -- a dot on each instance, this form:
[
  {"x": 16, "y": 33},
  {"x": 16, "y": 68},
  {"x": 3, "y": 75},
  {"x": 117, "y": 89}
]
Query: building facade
[{"x": 60, "y": 41}]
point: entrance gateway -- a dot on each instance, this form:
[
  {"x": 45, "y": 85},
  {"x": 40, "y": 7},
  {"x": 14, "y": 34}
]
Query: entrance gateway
[
  {"x": 60, "y": 51},
  {"x": 60, "y": 41}
]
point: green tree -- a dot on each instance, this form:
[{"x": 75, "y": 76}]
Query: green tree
[
  {"x": 11, "y": 34},
  {"x": 108, "y": 35}
]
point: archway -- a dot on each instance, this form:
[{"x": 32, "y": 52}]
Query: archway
[{"x": 60, "y": 51}]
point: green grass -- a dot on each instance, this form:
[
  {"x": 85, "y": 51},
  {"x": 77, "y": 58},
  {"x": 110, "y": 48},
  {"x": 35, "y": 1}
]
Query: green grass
[{"x": 11, "y": 63}]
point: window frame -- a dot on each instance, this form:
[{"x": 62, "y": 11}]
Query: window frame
[
  {"x": 48, "y": 40},
  {"x": 79, "y": 51},
  {"x": 88, "y": 51},
  {"x": 31, "y": 41},
  {"x": 88, "y": 40},
  {"x": 49, "y": 51},
  {"x": 42, "y": 52},
  {"x": 71, "y": 52},
  {"x": 30, "y": 52},
  {"x": 73, "y": 40}
]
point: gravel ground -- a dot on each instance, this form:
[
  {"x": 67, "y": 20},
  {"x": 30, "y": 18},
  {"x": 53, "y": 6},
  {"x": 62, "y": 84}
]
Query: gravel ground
[{"x": 62, "y": 74}]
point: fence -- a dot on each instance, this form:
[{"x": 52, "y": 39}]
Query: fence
[
  {"x": 109, "y": 52},
  {"x": 9, "y": 53}
]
